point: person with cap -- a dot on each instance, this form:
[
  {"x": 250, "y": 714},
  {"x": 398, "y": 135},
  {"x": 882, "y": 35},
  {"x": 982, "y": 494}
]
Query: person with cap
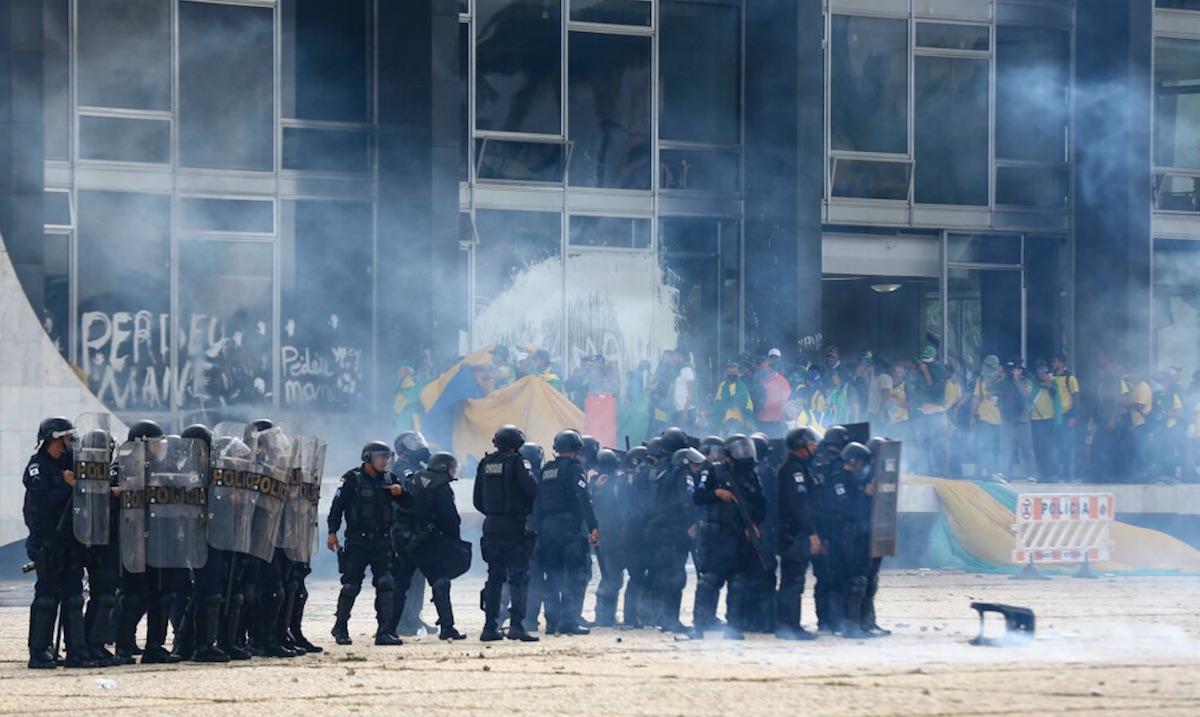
[
  {"x": 768, "y": 415},
  {"x": 874, "y": 385},
  {"x": 986, "y": 419},
  {"x": 833, "y": 359},
  {"x": 732, "y": 407},
  {"x": 827, "y": 502},
  {"x": 1068, "y": 393},
  {"x": 1137, "y": 398},
  {"x": 683, "y": 390},
  {"x": 1045, "y": 422},
  {"x": 929, "y": 416},
  {"x": 1014, "y": 410},
  {"x": 798, "y": 539},
  {"x": 668, "y": 531},
  {"x": 540, "y": 366},
  {"x": 500, "y": 372}
]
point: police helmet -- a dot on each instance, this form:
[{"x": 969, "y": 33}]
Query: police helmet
[
  {"x": 590, "y": 447},
  {"x": 228, "y": 447},
  {"x": 442, "y": 462},
  {"x": 95, "y": 438},
  {"x": 762, "y": 444},
  {"x": 654, "y": 447},
  {"x": 412, "y": 443},
  {"x": 198, "y": 431},
  {"x": 508, "y": 437},
  {"x": 533, "y": 453},
  {"x": 375, "y": 449},
  {"x": 52, "y": 428},
  {"x": 607, "y": 461},
  {"x": 741, "y": 450},
  {"x": 687, "y": 455},
  {"x": 800, "y": 438},
  {"x": 836, "y": 437},
  {"x": 568, "y": 441},
  {"x": 713, "y": 447},
  {"x": 856, "y": 455},
  {"x": 259, "y": 425},
  {"x": 874, "y": 443},
  {"x": 144, "y": 430},
  {"x": 673, "y": 439},
  {"x": 636, "y": 456}
]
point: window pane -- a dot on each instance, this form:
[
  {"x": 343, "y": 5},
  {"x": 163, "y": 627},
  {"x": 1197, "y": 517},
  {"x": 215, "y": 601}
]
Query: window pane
[
  {"x": 1176, "y": 193},
  {"x": 123, "y": 280},
  {"x": 522, "y": 161},
  {"x": 1033, "y": 76},
  {"x": 123, "y": 139},
  {"x": 866, "y": 179},
  {"x": 56, "y": 57},
  {"x": 225, "y": 322},
  {"x": 331, "y": 55},
  {"x": 518, "y": 279},
  {"x": 226, "y": 86},
  {"x": 869, "y": 85},
  {"x": 609, "y": 110},
  {"x": 124, "y": 51},
  {"x": 56, "y": 208},
  {"x": 610, "y": 232},
  {"x": 57, "y": 297},
  {"x": 326, "y": 305},
  {"x": 325, "y": 150},
  {"x": 1178, "y": 4},
  {"x": 699, "y": 68},
  {"x": 228, "y": 215},
  {"x": 518, "y": 61},
  {"x": 1176, "y": 313},
  {"x": 952, "y": 37},
  {"x": 699, "y": 169},
  {"x": 951, "y": 137},
  {"x": 1176, "y": 103},
  {"x": 464, "y": 99},
  {"x": 618, "y": 12},
  {"x": 1040, "y": 187}
]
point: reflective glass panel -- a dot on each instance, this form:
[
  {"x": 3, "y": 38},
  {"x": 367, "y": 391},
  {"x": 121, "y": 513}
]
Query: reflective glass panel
[
  {"x": 610, "y": 232},
  {"x": 226, "y": 86},
  {"x": 518, "y": 278},
  {"x": 522, "y": 161},
  {"x": 1038, "y": 187},
  {"x": 326, "y": 150},
  {"x": 699, "y": 169},
  {"x": 951, "y": 131},
  {"x": 124, "y": 139},
  {"x": 609, "y": 110},
  {"x": 617, "y": 12},
  {"x": 1178, "y": 4},
  {"x": 227, "y": 215},
  {"x": 1033, "y": 77},
  {"x": 57, "y": 297},
  {"x": 1176, "y": 193},
  {"x": 699, "y": 71},
  {"x": 868, "y": 179},
  {"x": 1176, "y": 103},
  {"x": 124, "y": 53},
  {"x": 56, "y": 79},
  {"x": 869, "y": 84},
  {"x": 326, "y": 59},
  {"x": 518, "y": 65},
  {"x": 56, "y": 208},
  {"x": 1176, "y": 312},
  {"x": 952, "y": 37}
]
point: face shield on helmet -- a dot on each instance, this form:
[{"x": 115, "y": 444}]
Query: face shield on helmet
[
  {"x": 741, "y": 451},
  {"x": 687, "y": 456},
  {"x": 443, "y": 462},
  {"x": 376, "y": 449}
]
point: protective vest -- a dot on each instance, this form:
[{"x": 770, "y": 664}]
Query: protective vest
[
  {"x": 369, "y": 508},
  {"x": 501, "y": 492},
  {"x": 558, "y": 488}
]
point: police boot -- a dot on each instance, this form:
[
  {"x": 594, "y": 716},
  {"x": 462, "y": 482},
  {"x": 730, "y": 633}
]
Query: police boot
[
  {"x": 704, "y": 609},
  {"x": 445, "y": 611},
  {"x": 248, "y": 628},
  {"x": 670, "y": 618},
  {"x": 297, "y": 617},
  {"x": 852, "y": 622},
  {"x": 606, "y": 610},
  {"x": 788, "y": 627},
  {"x": 283, "y": 622},
  {"x": 157, "y": 617},
  {"x": 409, "y": 619},
  {"x": 384, "y": 601},
  {"x": 870, "y": 627},
  {"x": 208, "y": 624},
  {"x": 72, "y": 617},
  {"x": 96, "y": 625},
  {"x": 230, "y": 628},
  {"x": 268, "y": 626},
  {"x": 129, "y": 613},
  {"x": 345, "y": 603},
  {"x": 185, "y": 633},
  {"x": 490, "y": 605},
  {"x": 41, "y": 633}
]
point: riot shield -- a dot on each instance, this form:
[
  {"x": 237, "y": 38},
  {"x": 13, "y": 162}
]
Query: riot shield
[
  {"x": 229, "y": 429},
  {"x": 287, "y": 536},
  {"x": 268, "y": 480},
  {"x": 886, "y": 476},
  {"x": 92, "y": 498},
  {"x": 176, "y": 500},
  {"x": 304, "y": 523},
  {"x": 131, "y": 467},
  {"x": 230, "y": 498}
]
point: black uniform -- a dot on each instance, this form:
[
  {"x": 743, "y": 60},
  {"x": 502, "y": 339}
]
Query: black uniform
[
  {"x": 861, "y": 570},
  {"x": 635, "y": 509},
  {"x": 795, "y": 532},
  {"x": 670, "y": 516},
  {"x": 366, "y": 502},
  {"x": 504, "y": 493},
  {"x": 562, "y": 517},
  {"x": 727, "y": 556},
  {"x": 103, "y": 566},
  {"x": 828, "y": 509},
  {"x": 609, "y": 502},
  {"x": 410, "y": 596},
  {"x": 55, "y": 552},
  {"x": 420, "y": 536}
]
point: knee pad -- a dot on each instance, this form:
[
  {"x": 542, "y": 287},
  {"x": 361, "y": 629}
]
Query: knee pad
[
  {"x": 858, "y": 586},
  {"x": 709, "y": 580},
  {"x": 440, "y": 585},
  {"x": 350, "y": 589},
  {"x": 107, "y": 601},
  {"x": 212, "y": 601},
  {"x": 45, "y": 602},
  {"x": 387, "y": 582}
]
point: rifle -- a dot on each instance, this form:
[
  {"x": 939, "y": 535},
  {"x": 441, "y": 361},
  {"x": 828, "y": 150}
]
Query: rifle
[{"x": 749, "y": 530}]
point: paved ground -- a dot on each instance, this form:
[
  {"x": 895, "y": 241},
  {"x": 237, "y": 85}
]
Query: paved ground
[{"x": 1128, "y": 645}]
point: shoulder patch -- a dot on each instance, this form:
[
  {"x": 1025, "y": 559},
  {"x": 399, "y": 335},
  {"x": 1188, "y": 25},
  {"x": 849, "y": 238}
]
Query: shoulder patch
[
  {"x": 528, "y": 465},
  {"x": 34, "y": 470},
  {"x": 582, "y": 483},
  {"x": 798, "y": 477}
]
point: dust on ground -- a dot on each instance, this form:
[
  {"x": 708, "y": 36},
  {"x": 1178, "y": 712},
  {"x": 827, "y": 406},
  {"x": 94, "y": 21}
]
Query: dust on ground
[{"x": 1112, "y": 646}]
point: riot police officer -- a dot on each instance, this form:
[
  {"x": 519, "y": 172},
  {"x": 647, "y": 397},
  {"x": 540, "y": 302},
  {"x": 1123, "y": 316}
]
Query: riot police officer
[
  {"x": 49, "y": 479},
  {"x": 641, "y": 464},
  {"x": 669, "y": 528},
  {"x": 535, "y": 455},
  {"x": 412, "y": 454},
  {"x": 202, "y": 617},
  {"x": 426, "y": 538},
  {"x": 827, "y": 508},
  {"x": 365, "y": 497},
  {"x": 609, "y": 490},
  {"x": 562, "y": 514},
  {"x": 733, "y": 554},
  {"x": 95, "y": 518},
  {"x": 797, "y": 537},
  {"x": 504, "y": 492},
  {"x": 862, "y": 571}
]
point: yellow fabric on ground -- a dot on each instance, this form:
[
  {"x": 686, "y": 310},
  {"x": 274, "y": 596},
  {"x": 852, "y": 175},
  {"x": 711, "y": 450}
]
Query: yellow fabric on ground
[
  {"x": 983, "y": 526},
  {"x": 531, "y": 404}
]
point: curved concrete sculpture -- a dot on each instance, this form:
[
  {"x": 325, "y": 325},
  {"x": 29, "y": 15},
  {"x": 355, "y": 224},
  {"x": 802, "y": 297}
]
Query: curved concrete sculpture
[{"x": 35, "y": 382}]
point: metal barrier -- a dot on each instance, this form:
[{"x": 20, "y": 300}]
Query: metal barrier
[{"x": 1063, "y": 527}]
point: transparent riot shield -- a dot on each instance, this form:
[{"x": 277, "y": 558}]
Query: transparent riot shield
[
  {"x": 312, "y": 460},
  {"x": 229, "y": 429},
  {"x": 176, "y": 503},
  {"x": 288, "y": 535},
  {"x": 92, "y": 496},
  {"x": 230, "y": 498},
  {"x": 268, "y": 479},
  {"x": 131, "y": 469},
  {"x": 886, "y": 475}
]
